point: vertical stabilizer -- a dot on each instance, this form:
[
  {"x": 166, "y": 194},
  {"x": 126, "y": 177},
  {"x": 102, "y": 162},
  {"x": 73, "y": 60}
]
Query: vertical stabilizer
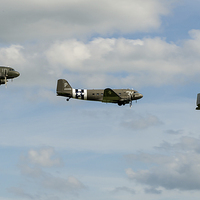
[
  {"x": 64, "y": 88},
  {"x": 198, "y": 102}
]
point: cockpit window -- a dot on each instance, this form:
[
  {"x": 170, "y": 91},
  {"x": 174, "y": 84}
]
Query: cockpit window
[{"x": 11, "y": 69}]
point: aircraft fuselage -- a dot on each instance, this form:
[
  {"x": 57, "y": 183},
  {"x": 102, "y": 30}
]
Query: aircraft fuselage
[{"x": 98, "y": 94}]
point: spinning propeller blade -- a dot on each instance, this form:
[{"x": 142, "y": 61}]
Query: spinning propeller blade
[
  {"x": 130, "y": 103},
  {"x": 6, "y": 74}
]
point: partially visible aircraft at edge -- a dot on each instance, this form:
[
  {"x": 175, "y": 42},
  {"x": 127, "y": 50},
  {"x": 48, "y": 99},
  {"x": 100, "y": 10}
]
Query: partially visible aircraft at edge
[
  {"x": 198, "y": 102},
  {"x": 119, "y": 96},
  {"x": 7, "y": 73}
]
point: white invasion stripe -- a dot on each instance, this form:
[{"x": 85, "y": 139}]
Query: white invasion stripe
[
  {"x": 85, "y": 94},
  {"x": 73, "y": 93}
]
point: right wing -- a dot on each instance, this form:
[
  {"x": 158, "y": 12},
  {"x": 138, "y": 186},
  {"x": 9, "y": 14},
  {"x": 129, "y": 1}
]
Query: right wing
[{"x": 110, "y": 96}]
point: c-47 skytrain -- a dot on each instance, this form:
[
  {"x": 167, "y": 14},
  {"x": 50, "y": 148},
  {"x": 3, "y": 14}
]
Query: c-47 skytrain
[
  {"x": 7, "y": 73},
  {"x": 119, "y": 96}
]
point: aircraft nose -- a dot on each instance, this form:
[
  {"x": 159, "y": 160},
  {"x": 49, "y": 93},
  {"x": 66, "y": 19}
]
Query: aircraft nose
[
  {"x": 17, "y": 73},
  {"x": 139, "y": 96}
]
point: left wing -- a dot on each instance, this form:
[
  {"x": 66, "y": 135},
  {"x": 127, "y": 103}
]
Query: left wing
[{"x": 110, "y": 96}]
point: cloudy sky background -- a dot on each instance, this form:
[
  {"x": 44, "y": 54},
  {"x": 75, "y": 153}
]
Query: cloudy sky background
[{"x": 54, "y": 150}]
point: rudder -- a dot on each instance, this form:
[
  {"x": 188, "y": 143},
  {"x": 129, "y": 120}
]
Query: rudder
[{"x": 64, "y": 88}]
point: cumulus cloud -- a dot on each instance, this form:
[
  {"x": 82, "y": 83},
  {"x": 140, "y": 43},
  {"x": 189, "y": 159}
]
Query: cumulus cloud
[
  {"x": 179, "y": 170},
  {"x": 12, "y": 56},
  {"x": 70, "y": 53},
  {"x": 150, "y": 61},
  {"x": 25, "y": 20},
  {"x": 103, "y": 62}
]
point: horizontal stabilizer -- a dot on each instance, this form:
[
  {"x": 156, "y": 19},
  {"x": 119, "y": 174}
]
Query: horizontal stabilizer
[{"x": 110, "y": 96}]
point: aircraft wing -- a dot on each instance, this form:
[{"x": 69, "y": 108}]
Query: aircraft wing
[{"x": 110, "y": 96}]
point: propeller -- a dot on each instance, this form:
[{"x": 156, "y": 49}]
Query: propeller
[
  {"x": 130, "y": 103},
  {"x": 6, "y": 74},
  {"x": 5, "y": 82}
]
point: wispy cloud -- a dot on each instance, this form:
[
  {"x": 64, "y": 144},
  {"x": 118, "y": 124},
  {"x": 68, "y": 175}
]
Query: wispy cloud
[
  {"x": 34, "y": 167},
  {"x": 138, "y": 122}
]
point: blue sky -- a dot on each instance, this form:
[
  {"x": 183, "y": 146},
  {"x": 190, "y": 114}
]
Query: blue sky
[{"x": 52, "y": 149}]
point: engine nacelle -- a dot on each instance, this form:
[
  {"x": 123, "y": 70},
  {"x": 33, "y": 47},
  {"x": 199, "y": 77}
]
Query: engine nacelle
[{"x": 2, "y": 81}]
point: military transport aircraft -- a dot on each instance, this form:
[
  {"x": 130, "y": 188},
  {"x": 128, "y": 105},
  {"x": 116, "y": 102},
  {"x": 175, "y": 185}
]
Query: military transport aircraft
[
  {"x": 119, "y": 96},
  {"x": 198, "y": 102},
  {"x": 7, "y": 73}
]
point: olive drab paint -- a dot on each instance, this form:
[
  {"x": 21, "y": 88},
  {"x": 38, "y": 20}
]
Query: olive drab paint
[
  {"x": 119, "y": 96},
  {"x": 7, "y": 73}
]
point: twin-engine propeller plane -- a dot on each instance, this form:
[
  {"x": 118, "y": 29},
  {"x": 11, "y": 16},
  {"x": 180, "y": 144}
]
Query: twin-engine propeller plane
[
  {"x": 119, "y": 96},
  {"x": 7, "y": 73}
]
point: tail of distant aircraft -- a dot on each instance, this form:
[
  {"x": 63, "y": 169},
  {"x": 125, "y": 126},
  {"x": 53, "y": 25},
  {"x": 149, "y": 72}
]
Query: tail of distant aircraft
[
  {"x": 64, "y": 88},
  {"x": 198, "y": 102}
]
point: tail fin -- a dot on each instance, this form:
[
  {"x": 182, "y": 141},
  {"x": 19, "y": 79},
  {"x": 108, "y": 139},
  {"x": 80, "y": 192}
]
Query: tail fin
[
  {"x": 64, "y": 88},
  {"x": 198, "y": 102}
]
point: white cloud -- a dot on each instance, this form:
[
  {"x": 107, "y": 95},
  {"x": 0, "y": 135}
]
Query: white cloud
[
  {"x": 44, "y": 157},
  {"x": 70, "y": 53},
  {"x": 106, "y": 62},
  {"x": 179, "y": 170},
  {"x": 25, "y": 20},
  {"x": 151, "y": 61},
  {"x": 12, "y": 56}
]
